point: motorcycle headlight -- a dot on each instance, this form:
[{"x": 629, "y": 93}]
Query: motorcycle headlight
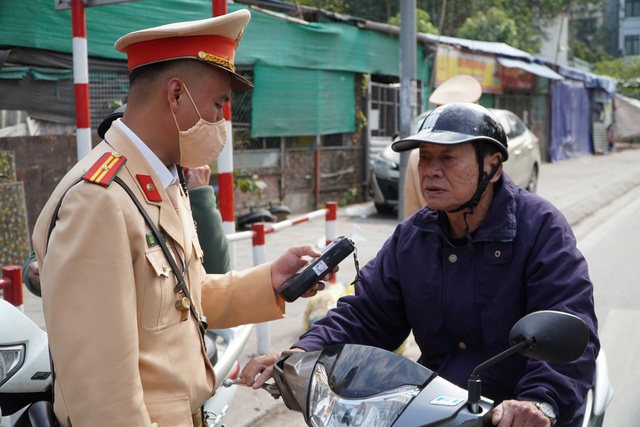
[
  {"x": 326, "y": 408},
  {"x": 11, "y": 359}
]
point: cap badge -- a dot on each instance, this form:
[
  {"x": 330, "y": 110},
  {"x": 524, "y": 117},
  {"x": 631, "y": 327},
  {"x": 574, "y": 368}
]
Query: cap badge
[{"x": 216, "y": 60}]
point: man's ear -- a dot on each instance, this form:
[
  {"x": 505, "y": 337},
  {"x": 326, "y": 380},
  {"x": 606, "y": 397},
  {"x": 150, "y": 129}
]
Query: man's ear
[
  {"x": 174, "y": 91},
  {"x": 496, "y": 159}
]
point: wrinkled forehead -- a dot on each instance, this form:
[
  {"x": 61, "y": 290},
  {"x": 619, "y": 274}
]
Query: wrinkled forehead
[{"x": 459, "y": 149}]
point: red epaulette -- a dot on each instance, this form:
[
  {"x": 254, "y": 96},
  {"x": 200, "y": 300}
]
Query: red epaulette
[{"x": 105, "y": 169}]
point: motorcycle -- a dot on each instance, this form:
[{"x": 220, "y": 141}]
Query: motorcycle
[
  {"x": 25, "y": 370},
  {"x": 357, "y": 385}
]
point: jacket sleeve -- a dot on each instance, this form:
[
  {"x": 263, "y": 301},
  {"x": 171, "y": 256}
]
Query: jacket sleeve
[
  {"x": 241, "y": 297},
  {"x": 557, "y": 278},
  {"x": 209, "y": 227}
]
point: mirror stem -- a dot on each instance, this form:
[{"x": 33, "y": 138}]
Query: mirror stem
[{"x": 475, "y": 385}]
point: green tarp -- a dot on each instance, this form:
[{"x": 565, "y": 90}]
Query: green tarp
[
  {"x": 295, "y": 102},
  {"x": 304, "y": 73}
]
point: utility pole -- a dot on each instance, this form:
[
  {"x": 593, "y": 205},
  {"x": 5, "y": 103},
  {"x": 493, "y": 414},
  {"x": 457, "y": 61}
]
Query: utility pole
[{"x": 407, "y": 86}]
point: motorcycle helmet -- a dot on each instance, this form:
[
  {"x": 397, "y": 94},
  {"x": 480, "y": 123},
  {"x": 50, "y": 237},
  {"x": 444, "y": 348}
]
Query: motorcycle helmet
[
  {"x": 106, "y": 123},
  {"x": 456, "y": 123}
]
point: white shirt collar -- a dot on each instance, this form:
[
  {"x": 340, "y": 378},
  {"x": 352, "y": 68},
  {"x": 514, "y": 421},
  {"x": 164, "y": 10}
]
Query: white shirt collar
[{"x": 167, "y": 175}]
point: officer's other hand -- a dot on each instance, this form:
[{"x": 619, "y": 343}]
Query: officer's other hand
[
  {"x": 198, "y": 177},
  {"x": 34, "y": 274},
  {"x": 512, "y": 413},
  {"x": 292, "y": 261}
]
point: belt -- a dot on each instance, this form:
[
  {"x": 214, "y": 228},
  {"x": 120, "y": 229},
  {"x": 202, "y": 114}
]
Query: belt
[{"x": 197, "y": 419}]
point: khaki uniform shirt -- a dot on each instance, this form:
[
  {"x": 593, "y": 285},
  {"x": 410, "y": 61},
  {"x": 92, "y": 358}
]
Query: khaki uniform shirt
[
  {"x": 413, "y": 198},
  {"x": 122, "y": 355}
]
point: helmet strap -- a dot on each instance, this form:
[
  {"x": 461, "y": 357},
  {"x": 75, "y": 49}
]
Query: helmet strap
[{"x": 483, "y": 181}]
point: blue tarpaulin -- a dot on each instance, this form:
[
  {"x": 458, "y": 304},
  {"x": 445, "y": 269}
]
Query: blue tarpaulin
[{"x": 570, "y": 126}]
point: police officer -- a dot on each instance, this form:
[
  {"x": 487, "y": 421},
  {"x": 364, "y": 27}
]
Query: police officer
[{"x": 124, "y": 319}]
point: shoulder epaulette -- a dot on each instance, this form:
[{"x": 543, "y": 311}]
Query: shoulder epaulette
[{"x": 105, "y": 169}]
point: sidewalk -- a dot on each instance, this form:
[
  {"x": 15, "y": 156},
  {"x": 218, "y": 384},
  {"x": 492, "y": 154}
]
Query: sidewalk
[{"x": 578, "y": 187}]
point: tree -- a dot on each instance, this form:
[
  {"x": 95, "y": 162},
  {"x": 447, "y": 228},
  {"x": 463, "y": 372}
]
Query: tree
[
  {"x": 492, "y": 26},
  {"x": 626, "y": 72},
  {"x": 423, "y": 22}
]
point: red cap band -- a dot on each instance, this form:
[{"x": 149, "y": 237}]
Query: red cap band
[{"x": 215, "y": 49}]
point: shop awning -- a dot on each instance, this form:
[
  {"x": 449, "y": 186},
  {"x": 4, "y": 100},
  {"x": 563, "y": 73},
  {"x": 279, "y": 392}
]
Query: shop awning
[{"x": 530, "y": 67}]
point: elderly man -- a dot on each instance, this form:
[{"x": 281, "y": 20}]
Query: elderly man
[
  {"x": 125, "y": 295},
  {"x": 462, "y": 271}
]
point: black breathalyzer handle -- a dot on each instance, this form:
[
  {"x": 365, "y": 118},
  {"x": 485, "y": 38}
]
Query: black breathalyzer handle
[{"x": 316, "y": 269}]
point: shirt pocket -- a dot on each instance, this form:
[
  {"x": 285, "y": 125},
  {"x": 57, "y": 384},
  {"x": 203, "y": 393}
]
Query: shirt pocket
[
  {"x": 158, "y": 300},
  {"x": 175, "y": 412}
]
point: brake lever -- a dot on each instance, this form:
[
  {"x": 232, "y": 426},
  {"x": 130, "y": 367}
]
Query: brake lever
[{"x": 270, "y": 388}]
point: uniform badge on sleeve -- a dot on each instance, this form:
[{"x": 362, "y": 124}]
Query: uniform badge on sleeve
[{"x": 105, "y": 169}]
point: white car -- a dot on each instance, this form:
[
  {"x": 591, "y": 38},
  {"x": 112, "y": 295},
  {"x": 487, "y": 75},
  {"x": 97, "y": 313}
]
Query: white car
[{"x": 523, "y": 165}]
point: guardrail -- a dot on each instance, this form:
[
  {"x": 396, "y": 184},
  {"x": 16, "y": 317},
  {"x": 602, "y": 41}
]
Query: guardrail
[{"x": 257, "y": 235}]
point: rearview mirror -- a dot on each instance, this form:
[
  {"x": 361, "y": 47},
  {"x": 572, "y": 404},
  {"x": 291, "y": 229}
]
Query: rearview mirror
[{"x": 551, "y": 336}]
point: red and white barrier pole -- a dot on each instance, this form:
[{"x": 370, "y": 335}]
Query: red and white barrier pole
[
  {"x": 330, "y": 227},
  {"x": 225, "y": 164},
  {"x": 81, "y": 78},
  {"x": 260, "y": 257},
  {"x": 11, "y": 283}
]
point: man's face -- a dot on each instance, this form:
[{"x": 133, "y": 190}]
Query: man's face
[
  {"x": 209, "y": 94},
  {"x": 448, "y": 173}
]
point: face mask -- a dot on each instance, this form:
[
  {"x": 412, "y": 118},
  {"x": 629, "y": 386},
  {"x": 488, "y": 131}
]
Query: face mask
[{"x": 202, "y": 143}]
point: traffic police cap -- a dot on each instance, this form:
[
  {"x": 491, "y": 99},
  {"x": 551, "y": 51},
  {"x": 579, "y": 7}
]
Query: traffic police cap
[
  {"x": 457, "y": 123},
  {"x": 212, "y": 40},
  {"x": 459, "y": 88}
]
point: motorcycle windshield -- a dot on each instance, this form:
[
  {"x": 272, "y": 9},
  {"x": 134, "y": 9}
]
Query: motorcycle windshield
[{"x": 357, "y": 371}]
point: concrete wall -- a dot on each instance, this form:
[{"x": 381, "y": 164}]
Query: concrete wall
[{"x": 42, "y": 161}]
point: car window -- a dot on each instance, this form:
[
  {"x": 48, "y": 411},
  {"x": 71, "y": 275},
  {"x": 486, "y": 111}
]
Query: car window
[
  {"x": 504, "y": 121},
  {"x": 517, "y": 127}
]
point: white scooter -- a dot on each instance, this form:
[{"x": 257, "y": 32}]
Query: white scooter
[
  {"x": 25, "y": 370},
  {"x": 356, "y": 385}
]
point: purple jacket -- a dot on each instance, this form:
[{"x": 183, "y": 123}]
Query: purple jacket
[{"x": 461, "y": 302}]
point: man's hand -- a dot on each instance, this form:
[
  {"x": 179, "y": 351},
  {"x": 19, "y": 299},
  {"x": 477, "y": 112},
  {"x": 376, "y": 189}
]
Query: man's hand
[
  {"x": 198, "y": 177},
  {"x": 34, "y": 274},
  {"x": 292, "y": 261},
  {"x": 514, "y": 413},
  {"x": 262, "y": 367}
]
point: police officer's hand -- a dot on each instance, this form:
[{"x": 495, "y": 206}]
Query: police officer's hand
[
  {"x": 34, "y": 274},
  {"x": 198, "y": 177},
  {"x": 516, "y": 413},
  {"x": 290, "y": 262}
]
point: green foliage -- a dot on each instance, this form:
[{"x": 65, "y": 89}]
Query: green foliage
[
  {"x": 625, "y": 71},
  {"x": 348, "y": 197},
  {"x": 248, "y": 183},
  {"x": 590, "y": 53},
  {"x": 423, "y": 22},
  {"x": 492, "y": 26}
]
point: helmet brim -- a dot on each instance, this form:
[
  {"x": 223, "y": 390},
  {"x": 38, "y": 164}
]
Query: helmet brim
[{"x": 443, "y": 138}]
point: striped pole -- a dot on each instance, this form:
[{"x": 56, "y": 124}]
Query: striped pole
[
  {"x": 330, "y": 227},
  {"x": 225, "y": 164},
  {"x": 81, "y": 78},
  {"x": 260, "y": 257}
]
